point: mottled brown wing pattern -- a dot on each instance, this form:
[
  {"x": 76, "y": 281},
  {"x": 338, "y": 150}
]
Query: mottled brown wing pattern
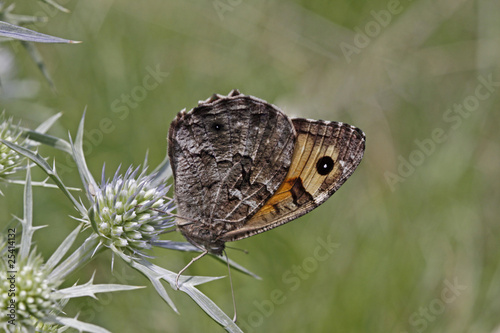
[
  {"x": 229, "y": 156},
  {"x": 325, "y": 155}
]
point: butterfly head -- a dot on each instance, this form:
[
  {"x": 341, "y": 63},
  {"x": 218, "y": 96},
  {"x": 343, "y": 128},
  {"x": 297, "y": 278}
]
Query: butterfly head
[{"x": 203, "y": 237}]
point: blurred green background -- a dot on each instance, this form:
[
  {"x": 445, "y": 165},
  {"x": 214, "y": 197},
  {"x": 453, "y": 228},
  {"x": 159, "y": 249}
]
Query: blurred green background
[{"x": 415, "y": 232}]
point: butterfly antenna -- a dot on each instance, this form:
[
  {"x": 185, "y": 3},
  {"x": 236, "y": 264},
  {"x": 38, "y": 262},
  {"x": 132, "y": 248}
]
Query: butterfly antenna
[
  {"x": 231, "y": 284},
  {"x": 182, "y": 270}
]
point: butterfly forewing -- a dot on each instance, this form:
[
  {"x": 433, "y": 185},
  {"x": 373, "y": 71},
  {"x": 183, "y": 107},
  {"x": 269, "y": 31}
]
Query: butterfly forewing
[
  {"x": 325, "y": 155},
  {"x": 229, "y": 157}
]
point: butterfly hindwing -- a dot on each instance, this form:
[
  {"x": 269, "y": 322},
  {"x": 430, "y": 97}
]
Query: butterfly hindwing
[{"x": 325, "y": 155}]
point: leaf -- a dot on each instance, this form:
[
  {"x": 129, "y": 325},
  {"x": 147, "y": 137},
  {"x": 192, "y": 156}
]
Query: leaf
[
  {"x": 27, "y": 220},
  {"x": 38, "y": 135},
  {"x": 49, "y": 140},
  {"x": 24, "y": 34},
  {"x": 186, "y": 284},
  {"x": 211, "y": 308},
  {"x": 62, "y": 249},
  {"x": 237, "y": 267},
  {"x": 152, "y": 276},
  {"x": 76, "y": 259},
  {"x": 89, "y": 289},
  {"x": 76, "y": 324},
  {"x": 87, "y": 179},
  {"x": 44, "y": 127}
]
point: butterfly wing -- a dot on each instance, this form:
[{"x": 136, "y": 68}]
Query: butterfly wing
[
  {"x": 229, "y": 155},
  {"x": 325, "y": 155}
]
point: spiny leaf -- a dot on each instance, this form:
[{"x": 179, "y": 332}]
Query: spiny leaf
[
  {"x": 76, "y": 324},
  {"x": 24, "y": 34},
  {"x": 62, "y": 249}
]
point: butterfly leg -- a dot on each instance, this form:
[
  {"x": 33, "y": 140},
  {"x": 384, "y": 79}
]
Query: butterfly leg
[{"x": 182, "y": 270}]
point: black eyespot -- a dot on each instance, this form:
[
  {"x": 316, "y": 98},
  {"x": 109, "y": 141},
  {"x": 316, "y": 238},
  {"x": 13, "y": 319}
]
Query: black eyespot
[
  {"x": 324, "y": 165},
  {"x": 217, "y": 127}
]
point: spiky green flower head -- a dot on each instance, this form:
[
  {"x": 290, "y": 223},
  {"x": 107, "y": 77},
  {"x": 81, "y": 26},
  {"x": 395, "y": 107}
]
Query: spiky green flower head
[
  {"x": 130, "y": 211},
  {"x": 26, "y": 294},
  {"x": 47, "y": 328},
  {"x": 10, "y": 161}
]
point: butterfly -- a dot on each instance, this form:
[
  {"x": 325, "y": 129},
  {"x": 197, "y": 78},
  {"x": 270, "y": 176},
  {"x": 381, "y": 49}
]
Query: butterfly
[{"x": 241, "y": 167}]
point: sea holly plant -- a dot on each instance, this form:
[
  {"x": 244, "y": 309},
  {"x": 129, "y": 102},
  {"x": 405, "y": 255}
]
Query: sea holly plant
[
  {"x": 11, "y": 162},
  {"x": 126, "y": 214},
  {"x": 30, "y": 289}
]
